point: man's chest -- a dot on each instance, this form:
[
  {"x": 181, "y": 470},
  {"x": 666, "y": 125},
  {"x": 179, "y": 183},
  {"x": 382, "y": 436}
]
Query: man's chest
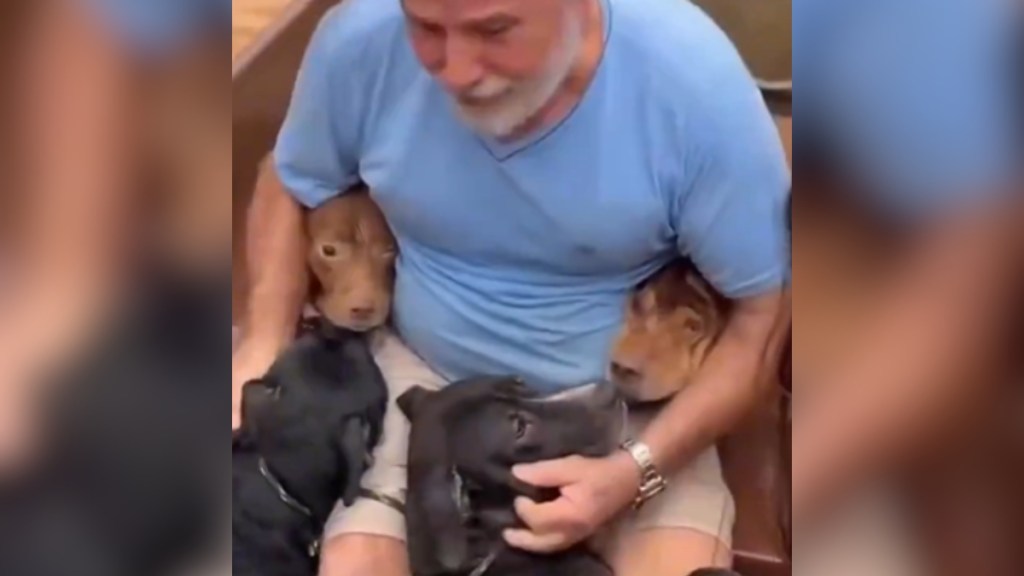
[{"x": 574, "y": 201}]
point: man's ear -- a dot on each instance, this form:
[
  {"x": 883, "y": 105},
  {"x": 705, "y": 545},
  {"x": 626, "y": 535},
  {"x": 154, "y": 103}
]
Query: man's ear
[{"x": 412, "y": 399}]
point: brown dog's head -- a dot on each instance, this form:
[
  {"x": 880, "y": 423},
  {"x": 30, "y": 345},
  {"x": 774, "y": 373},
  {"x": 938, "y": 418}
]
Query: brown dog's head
[
  {"x": 352, "y": 255},
  {"x": 671, "y": 322}
]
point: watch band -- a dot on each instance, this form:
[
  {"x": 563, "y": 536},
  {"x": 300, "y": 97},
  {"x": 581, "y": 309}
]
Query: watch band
[{"x": 652, "y": 482}]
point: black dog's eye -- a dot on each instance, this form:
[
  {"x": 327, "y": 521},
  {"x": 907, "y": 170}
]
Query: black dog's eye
[
  {"x": 520, "y": 424},
  {"x": 273, "y": 389}
]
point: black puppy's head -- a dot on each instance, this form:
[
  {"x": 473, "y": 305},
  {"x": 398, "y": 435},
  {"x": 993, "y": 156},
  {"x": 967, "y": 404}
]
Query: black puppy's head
[
  {"x": 301, "y": 414},
  {"x": 466, "y": 437}
]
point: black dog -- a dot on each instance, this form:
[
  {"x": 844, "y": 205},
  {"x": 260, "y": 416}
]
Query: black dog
[
  {"x": 463, "y": 442},
  {"x": 130, "y": 478},
  {"x": 308, "y": 428}
]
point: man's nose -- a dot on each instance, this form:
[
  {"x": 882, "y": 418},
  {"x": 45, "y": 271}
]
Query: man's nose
[{"x": 462, "y": 69}]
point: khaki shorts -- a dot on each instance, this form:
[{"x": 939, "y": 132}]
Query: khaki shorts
[{"x": 697, "y": 497}]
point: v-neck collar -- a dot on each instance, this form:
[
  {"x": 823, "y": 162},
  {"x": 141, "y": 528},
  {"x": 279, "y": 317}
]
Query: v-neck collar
[{"x": 503, "y": 150}]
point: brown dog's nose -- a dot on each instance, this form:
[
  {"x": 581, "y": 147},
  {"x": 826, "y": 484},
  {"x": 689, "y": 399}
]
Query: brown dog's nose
[
  {"x": 623, "y": 373},
  {"x": 362, "y": 313}
]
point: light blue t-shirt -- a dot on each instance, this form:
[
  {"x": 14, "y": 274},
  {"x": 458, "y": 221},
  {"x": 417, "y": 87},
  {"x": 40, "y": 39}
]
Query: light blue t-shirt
[
  {"x": 518, "y": 257},
  {"x": 159, "y": 27},
  {"x": 915, "y": 97}
]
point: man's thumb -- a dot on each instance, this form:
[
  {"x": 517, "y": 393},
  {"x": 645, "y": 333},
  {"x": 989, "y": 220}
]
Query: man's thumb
[{"x": 549, "y": 473}]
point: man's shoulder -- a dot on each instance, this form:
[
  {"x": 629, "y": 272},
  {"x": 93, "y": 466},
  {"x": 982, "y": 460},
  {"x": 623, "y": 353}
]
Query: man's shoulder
[
  {"x": 357, "y": 30},
  {"x": 678, "y": 47}
]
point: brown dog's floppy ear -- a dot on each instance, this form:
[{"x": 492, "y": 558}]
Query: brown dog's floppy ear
[{"x": 411, "y": 400}]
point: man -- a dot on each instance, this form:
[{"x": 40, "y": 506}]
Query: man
[
  {"x": 925, "y": 129},
  {"x": 89, "y": 123},
  {"x": 913, "y": 102},
  {"x": 536, "y": 160}
]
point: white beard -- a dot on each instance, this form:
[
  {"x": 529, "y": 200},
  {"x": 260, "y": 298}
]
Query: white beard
[{"x": 522, "y": 101}]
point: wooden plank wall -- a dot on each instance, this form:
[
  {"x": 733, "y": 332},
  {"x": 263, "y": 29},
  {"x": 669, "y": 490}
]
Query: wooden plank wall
[{"x": 249, "y": 18}]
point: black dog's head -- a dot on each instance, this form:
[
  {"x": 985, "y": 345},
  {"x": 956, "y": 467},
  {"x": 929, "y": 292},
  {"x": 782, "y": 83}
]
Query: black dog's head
[
  {"x": 464, "y": 440},
  {"x": 318, "y": 409}
]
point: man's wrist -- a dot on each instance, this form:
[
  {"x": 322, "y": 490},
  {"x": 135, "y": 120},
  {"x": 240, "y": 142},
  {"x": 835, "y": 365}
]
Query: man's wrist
[{"x": 649, "y": 480}]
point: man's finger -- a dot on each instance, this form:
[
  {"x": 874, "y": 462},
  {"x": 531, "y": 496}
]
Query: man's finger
[
  {"x": 549, "y": 473},
  {"x": 552, "y": 516},
  {"x": 538, "y": 543}
]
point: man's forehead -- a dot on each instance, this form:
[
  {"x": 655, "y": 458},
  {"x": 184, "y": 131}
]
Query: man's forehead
[{"x": 462, "y": 10}]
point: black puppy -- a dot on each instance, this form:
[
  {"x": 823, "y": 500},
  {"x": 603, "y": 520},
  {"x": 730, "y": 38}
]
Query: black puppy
[
  {"x": 130, "y": 477},
  {"x": 714, "y": 572},
  {"x": 463, "y": 443},
  {"x": 308, "y": 428}
]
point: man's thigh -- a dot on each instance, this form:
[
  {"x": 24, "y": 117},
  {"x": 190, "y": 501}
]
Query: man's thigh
[
  {"x": 371, "y": 533},
  {"x": 686, "y": 527}
]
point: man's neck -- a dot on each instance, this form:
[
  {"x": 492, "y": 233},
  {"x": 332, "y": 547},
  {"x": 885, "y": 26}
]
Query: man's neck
[{"x": 575, "y": 84}]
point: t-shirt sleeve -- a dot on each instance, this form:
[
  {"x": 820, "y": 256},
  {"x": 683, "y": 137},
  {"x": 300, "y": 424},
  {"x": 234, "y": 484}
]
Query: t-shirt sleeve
[
  {"x": 157, "y": 27},
  {"x": 318, "y": 147},
  {"x": 916, "y": 98},
  {"x": 730, "y": 212}
]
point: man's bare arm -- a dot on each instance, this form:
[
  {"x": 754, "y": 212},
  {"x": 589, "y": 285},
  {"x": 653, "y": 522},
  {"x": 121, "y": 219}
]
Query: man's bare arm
[
  {"x": 730, "y": 382},
  {"x": 277, "y": 281},
  {"x": 276, "y": 264},
  {"x": 911, "y": 374},
  {"x": 80, "y": 111}
]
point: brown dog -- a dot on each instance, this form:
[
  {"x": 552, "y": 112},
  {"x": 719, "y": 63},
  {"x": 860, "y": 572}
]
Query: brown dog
[
  {"x": 672, "y": 321},
  {"x": 352, "y": 255}
]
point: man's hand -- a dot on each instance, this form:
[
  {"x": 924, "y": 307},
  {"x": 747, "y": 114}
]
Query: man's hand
[
  {"x": 20, "y": 392},
  {"x": 593, "y": 491},
  {"x": 250, "y": 360},
  {"x": 18, "y": 425}
]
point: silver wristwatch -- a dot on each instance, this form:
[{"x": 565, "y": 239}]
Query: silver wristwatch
[{"x": 652, "y": 482}]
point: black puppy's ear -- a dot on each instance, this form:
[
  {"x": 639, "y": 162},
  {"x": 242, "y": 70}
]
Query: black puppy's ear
[
  {"x": 439, "y": 501},
  {"x": 353, "y": 445},
  {"x": 253, "y": 393},
  {"x": 411, "y": 400}
]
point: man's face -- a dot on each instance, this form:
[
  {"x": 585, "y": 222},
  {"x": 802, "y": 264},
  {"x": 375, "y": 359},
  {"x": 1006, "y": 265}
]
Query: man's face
[{"x": 501, "y": 60}]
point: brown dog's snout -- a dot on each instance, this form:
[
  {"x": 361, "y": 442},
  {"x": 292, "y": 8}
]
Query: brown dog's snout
[
  {"x": 363, "y": 311},
  {"x": 621, "y": 372}
]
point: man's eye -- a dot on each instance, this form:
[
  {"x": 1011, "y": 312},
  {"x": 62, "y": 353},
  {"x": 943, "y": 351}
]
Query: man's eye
[
  {"x": 428, "y": 28},
  {"x": 496, "y": 29}
]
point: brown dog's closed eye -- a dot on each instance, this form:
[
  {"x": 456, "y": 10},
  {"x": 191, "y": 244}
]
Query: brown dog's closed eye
[
  {"x": 671, "y": 322},
  {"x": 352, "y": 256}
]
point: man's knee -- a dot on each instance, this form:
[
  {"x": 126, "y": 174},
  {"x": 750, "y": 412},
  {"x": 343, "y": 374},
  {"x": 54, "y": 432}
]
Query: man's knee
[{"x": 364, "y": 555}]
